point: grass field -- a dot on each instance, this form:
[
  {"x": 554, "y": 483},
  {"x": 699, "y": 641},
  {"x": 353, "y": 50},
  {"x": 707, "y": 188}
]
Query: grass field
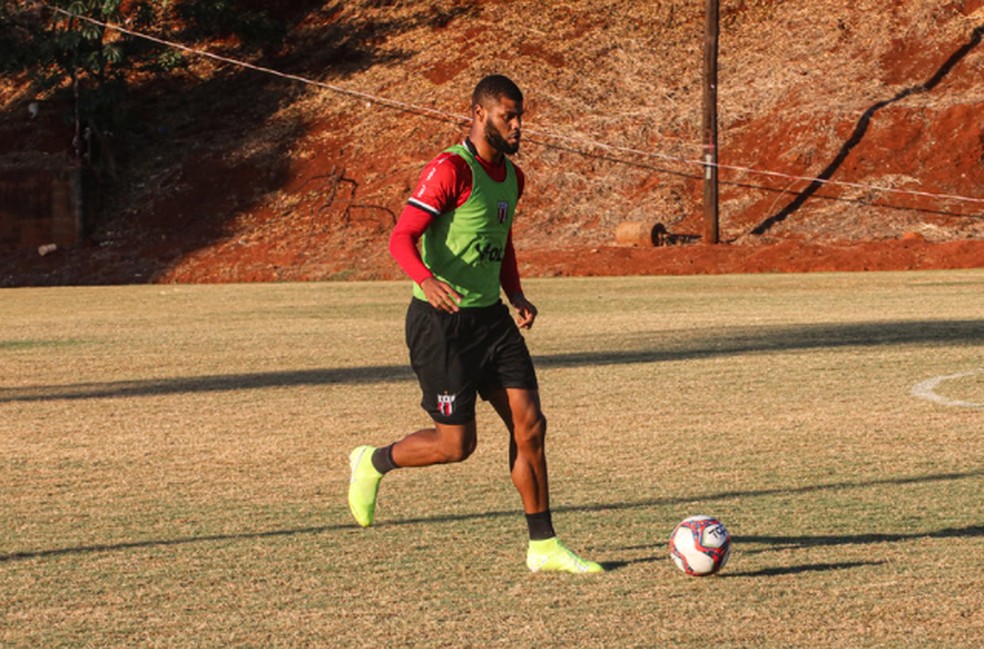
[{"x": 173, "y": 466}]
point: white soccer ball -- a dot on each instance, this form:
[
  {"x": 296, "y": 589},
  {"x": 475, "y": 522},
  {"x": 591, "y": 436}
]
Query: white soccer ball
[{"x": 700, "y": 545}]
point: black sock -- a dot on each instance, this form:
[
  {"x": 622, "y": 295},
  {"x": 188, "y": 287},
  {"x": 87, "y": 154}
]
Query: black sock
[
  {"x": 540, "y": 526},
  {"x": 382, "y": 459}
]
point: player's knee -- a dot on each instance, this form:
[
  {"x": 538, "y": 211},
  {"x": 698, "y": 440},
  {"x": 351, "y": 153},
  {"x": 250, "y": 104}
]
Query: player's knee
[
  {"x": 459, "y": 448},
  {"x": 459, "y": 452}
]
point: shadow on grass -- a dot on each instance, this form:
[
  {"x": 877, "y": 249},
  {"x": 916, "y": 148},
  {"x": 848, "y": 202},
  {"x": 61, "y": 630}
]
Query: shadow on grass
[
  {"x": 779, "y": 543},
  {"x": 795, "y": 570},
  {"x": 793, "y": 541},
  {"x": 654, "y": 349},
  {"x": 796, "y": 542},
  {"x": 212, "y": 383},
  {"x": 764, "y": 572}
]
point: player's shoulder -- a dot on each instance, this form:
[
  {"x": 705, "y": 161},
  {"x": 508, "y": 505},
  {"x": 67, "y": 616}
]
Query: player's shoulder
[{"x": 447, "y": 164}]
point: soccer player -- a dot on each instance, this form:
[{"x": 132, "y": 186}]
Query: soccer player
[{"x": 462, "y": 339}]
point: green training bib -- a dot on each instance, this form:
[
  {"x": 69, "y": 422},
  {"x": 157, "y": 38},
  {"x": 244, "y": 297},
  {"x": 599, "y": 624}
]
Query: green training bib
[{"x": 464, "y": 247}]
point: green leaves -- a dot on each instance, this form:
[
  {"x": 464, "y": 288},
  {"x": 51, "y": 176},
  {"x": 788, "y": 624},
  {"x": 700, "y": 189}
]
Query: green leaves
[
  {"x": 112, "y": 54},
  {"x": 72, "y": 48}
]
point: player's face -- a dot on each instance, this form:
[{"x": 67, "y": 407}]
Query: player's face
[{"x": 504, "y": 125}]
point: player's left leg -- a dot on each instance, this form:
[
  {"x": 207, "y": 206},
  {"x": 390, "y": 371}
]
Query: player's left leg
[{"x": 520, "y": 411}]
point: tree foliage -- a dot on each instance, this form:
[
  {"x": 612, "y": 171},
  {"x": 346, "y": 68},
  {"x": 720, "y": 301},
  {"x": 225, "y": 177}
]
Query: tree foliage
[{"x": 70, "y": 47}]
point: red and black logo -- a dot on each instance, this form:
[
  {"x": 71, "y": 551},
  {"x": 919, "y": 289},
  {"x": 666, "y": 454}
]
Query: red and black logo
[
  {"x": 503, "y": 211},
  {"x": 445, "y": 404}
]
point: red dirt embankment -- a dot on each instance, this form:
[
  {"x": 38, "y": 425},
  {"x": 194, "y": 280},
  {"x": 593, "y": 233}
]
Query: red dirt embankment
[{"x": 234, "y": 175}]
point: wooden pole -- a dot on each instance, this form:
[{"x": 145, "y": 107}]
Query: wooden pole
[{"x": 712, "y": 30}]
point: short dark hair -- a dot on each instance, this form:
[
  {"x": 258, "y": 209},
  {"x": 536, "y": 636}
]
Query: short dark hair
[{"x": 496, "y": 87}]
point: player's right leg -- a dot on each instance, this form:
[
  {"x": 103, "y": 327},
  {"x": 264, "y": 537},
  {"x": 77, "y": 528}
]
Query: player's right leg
[
  {"x": 439, "y": 445},
  {"x": 363, "y": 485},
  {"x": 446, "y": 360}
]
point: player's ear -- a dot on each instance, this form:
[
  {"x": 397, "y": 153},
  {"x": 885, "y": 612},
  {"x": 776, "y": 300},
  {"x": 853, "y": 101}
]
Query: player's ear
[{"x": 478, "y": 112}]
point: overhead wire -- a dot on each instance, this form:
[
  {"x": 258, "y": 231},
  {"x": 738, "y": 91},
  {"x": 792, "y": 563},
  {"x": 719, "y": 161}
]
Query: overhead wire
[{"x": 458, "y": 119}]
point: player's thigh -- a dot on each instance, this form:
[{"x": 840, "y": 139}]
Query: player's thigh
[
  {"x": 509, "y": 364},
  {"x": 445, "y": 368}
]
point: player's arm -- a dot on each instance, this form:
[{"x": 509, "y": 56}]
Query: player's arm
[
  {"x": 511, "y": 285},
  {"x": 509, "y": 274},
  {"x": 438, "y": 191},
  {"x": 403, "y": 247},
  {"x": 403, "y": 242}
]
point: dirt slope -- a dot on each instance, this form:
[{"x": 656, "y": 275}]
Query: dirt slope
[{"x": 234, "y": 175}]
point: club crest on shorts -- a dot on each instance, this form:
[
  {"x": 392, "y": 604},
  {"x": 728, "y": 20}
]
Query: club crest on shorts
[
  {"x": 503, "y": 211},
  {"x": 445, "y": 404}
]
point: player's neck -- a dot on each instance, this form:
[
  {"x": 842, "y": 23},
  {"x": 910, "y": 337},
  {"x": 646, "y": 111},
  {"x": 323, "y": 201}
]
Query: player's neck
[{"x": 482, "y": 149}]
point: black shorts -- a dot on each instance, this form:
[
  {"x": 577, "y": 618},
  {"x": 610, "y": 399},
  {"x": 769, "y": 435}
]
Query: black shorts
[{"x": 457, "y": 356}]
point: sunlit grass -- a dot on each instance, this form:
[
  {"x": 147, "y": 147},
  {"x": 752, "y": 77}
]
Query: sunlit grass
[{"x": 173, "y": 468}]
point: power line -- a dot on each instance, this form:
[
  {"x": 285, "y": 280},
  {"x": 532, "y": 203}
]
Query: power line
[
  {"x": 391, "y": 103},
  {"x": 457, "y": 119}
]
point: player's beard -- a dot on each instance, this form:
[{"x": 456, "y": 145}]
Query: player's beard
[{"x": 499, "y": 143}]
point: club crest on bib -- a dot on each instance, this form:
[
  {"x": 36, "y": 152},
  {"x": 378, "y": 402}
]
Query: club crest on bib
[
  {"x": 445, "y": 404},
  {"x": 503, "y": 211}
]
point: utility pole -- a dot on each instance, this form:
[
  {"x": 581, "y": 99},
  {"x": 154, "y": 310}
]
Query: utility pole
[{"x": 712, "y": 30}]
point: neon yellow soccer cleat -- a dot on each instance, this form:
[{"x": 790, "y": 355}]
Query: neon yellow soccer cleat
[
  {"x": 551, "y": 555},
  {"x": 363, "y": 485}
]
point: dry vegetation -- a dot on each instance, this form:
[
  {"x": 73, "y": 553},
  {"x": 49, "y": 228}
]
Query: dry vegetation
[
  {"x": 173, "y": 468},
  {"x": 246, "y": 176}
]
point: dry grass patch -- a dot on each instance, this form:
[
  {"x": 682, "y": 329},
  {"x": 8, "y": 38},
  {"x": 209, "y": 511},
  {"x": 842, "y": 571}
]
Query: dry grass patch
[{"x": 173, "y": 467}]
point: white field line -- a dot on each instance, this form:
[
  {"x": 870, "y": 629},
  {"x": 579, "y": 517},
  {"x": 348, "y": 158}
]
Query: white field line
[{"x": 927, "y": 390}]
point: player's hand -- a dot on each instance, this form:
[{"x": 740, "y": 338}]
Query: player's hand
[
  {"x": 440, "y": 295},
  {"x": 525, "y": 311}
]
